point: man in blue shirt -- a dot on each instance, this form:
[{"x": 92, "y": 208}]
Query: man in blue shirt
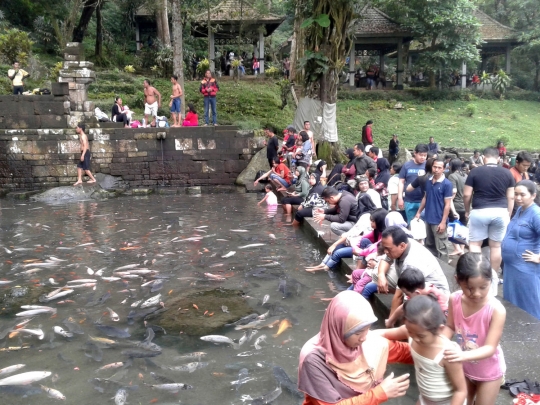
[
  {"x": 436, "y": 201},
  {"x": 409, "y": 172}
]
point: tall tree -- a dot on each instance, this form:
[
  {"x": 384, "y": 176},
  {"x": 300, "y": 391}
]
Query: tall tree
[
  {"x": 297, "y": 43},
  {"x": 89, "y": 6},
  {"x": 178, "y": 48},
  {"x": 162, "y": 22},
  {"x": 99, "y": 33}
]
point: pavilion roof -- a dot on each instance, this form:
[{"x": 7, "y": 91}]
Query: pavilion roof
[
  {"x": 374, "y": 23},
  {"x": 493, "y": 31}
]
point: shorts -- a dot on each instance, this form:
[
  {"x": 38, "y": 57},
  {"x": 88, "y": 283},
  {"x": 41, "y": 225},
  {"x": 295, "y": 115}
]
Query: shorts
[
  {"x": 488, "y": 223},
  {"x": 151, "y": 109},
  {"x": 175, "y": 106},
  {"x": 85, "y": 164}
]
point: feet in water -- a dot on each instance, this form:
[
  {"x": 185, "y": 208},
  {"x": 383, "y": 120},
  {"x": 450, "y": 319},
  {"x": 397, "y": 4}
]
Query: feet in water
[{"x": 320, "y": 267}]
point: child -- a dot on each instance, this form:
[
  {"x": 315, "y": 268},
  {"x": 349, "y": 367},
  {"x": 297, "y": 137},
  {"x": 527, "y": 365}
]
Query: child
[
  {"x": 270, "y": 197},
  {"x": 477, "y": 318},
  {"x": 192, "y": 119},
  {"x": 440, "y": 381},
  {"x": 412, "y": 283},
  {"x": 362, "y": 276}
]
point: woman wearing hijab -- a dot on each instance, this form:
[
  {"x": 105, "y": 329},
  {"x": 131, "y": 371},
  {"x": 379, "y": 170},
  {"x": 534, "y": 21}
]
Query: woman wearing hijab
[
  {"x": 300, "y": 192},
  {"x": 383, "y": 172},
  {"x": 312, "y": 200},
  {"x": 345, "y": 363},
  {"x": 349, "y": 170}
]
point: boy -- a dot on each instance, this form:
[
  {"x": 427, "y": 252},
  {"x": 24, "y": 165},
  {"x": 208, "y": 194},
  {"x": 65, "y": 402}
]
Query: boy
[
  {"x": 270, "y": 197},
  {"x": 411, "y": 283},
  {"x": 176, "y": 102},
  {"x": 393, "y": 187},
  {"x": 84, "y": 164}
]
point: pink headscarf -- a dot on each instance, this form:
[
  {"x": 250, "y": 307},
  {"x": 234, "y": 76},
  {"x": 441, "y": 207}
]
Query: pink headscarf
[{"x": 359, "y": 368}]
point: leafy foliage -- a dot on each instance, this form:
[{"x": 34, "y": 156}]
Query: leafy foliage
[
  {"x": 502, "y": 82},
  {"x": 15, "y": 45}
]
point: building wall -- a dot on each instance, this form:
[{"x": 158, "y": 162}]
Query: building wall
[{"x": 196, "y": 156}]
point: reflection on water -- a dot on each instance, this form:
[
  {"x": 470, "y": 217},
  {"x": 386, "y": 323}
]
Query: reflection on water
[{"x": 180, "y": 237}]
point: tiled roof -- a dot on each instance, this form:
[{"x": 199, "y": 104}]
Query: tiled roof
[
  {"x": 492, "y": 30},
  {"x": 373, "y": 22},
  {"x": 236, "y": 10}
]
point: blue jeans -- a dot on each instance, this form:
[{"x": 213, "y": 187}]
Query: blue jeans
[
  {"x": 411, "y": 208},
  {"x": 283, "y": 182},
  {"x": 341, "y": 251},
  {"x": 369, "y": 290},
  {"x": 210, "y": 102}
]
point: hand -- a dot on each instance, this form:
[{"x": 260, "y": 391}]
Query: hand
[
  {"x": 319, "y": 218},
  {"x": 441, "y": 228},
  {"x": 382, "y": 285},
  {"x": 454, "y": 354},
  {"x": 529, "y": 256},
  {"x": 159, "y": 105},
  {"x": 82, "y": 158},
  {"x": 256, "y": 182},
  {"x": 401, "y": 204},
  {"x": 467, "y": 213},
  {"x": 395, "y": 387},
  {"x": 264, "y": 143},
  {"x": 349, "y": 278},
  {"x": 417, "y": 216},
  {"x": 331, "y": 249},
  {"x": 170, "y": 103}
]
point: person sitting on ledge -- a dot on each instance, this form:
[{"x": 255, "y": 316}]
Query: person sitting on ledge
[
  {"x": 192, "y": 119},
  {"x": 343, "y": 215},
  {"x": 279, "y": 173},
  {"x": 301, "y": 191},
  {"x": 118, "y": 114}
]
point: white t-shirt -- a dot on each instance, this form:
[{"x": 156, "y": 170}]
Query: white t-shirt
[
  {"x": 375, "y": 197},
  {"x": 393, "y": 188}
]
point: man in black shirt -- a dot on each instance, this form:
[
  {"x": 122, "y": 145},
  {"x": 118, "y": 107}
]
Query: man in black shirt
[
  {"x": 362, "y": 162},
  {"x": 272, "y": 146}
]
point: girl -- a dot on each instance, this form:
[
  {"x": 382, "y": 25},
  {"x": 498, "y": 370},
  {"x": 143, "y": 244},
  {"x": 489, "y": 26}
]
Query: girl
[
  {"x": 477, "y": 319},
  {"x": 440, "y": 381},
  {"x": 118, "y": 114},
  {"x": 192, "y": 119}
]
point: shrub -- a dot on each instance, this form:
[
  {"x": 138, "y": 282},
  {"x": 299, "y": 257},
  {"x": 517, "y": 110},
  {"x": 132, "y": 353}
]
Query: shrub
[
  {"x": 471, "y": 109},
  {"x": 55, "y": 70},
  {"x": 501, "y": 82},
  {"x": 15, "y": 45},
  {"x": 129, "y": 69},
  {"x": 272, "y": 72}
]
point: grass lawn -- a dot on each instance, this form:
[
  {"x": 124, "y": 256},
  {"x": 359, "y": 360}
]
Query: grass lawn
[{"x": 255, "y": 104}]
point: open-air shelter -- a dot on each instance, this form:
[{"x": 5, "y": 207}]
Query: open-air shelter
[{"x": 236, "y": 22}]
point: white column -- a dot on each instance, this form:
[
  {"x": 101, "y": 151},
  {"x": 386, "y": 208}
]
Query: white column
[
  {"x": 409, "y": 67},
  {"x": 212, "y": 55},
  {"x": 464, "y": 75},
  {"x": 399, "y": 70},
  {"x": 138, "y": 35},
  {"x": 351, "y": 66},
  {"x": 508, "y": 58},
  {"x": 261, "y": 52}
]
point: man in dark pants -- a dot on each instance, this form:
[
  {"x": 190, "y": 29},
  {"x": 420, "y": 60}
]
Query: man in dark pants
[
  {"x": 17, "y": 76},
  {"x": 84, "y": 165},
  {"x": 272, "y": 146}
]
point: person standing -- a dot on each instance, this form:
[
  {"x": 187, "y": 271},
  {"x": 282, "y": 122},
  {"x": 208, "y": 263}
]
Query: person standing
[
  {"x": 287, "y": 68},
  {"x": 437, "y": 199},
  {"x": 457, "y": 177},
  {"x": 209, "y": 89},
  {"x": 393, "y": 149},
  {"x": 367, "y": 133},
  {"x": 409, "y": 172},
  {"x": 307, "y": 128},
  {"x": 17, "y": 76},
  {"x": 433, "y": 147},
  {"x": 492, "y": 206},
  {"x": 176, "y": 102},
  {"x": 519, "y": 172},
  {"x": 272, "y": 146},
  {"x": 151, "y": 105},
  {"x": 84, "y": 164},
  {"x": 521, "y": 252}
]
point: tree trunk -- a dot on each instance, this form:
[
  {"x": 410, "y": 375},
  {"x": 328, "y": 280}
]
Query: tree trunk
[
  {"x": 537, "y": 74},
  {"x": 99, "y": 33},
  {"x": 178, "y": 49},
  {"x": 212, "y": 63},
  {"x": 432, "y": 81},
  {"x": 297, "y": 44},
  {"x": 159, "y": 25},
  {"x": 165, "y": 24},
  {"x": 89, "y": 7}
]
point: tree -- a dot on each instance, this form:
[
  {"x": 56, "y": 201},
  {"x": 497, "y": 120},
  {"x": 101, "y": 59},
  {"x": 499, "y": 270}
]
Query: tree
[
  {"x": 162, "y": 21},
  {"x": 447, "y": 30},
  {"x": 178, "y": 49},
  {"x": 89, "y": 6}
]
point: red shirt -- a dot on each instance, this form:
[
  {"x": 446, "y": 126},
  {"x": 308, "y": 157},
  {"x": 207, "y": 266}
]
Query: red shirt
[
  {"x": 502, "y": 151},
  {"x": 286, "y": 172},
  {"x": 192, "y": 118}
]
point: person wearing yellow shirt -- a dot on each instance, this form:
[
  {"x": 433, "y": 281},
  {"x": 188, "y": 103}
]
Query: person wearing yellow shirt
[{"x": 17, "y": 75}]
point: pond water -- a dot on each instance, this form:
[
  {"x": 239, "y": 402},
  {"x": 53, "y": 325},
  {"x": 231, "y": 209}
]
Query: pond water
[{"x": 181, "y": 237}]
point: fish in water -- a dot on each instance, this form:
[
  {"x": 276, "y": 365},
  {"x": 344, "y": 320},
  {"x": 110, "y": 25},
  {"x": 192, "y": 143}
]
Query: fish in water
[
  {"x": 61, "y": 294},
  {"x": 245, "y": 320},
  {"x": 272, "y": 236},
  {"x": 155, "y": 328},
  {"x": 243, "y": 377},
  {"x": 172, "y": 388},
  {"x": 82, "y": 280},
  {"x": 265, "y": 299},
  {"x": 120, "y": 397},
  {"x": 73, "y": 326},
  {"x": 161, "y": 379},
  {"x": 285, "y": 382},
  {"x": 100, "y": 300},
  {"x": 252, "y": 245},
  {"x": 3, "y": 282},
  {"x": 189, "y": 367},
  {"x": 259, "y": 340},
  {"x": 36, "y": 332},
  {"x": 112, "y": 331},
  {"x": 141, "y": 313},
  {"x": 93, "y": 351},
  {"x": 230, "y": 254},
  {"x": 11, "y": 369},
  {"x": 113, "y": 315},
  {"x": 111, "y": 366},
  {"x": 151, "y": 301},
  {"x": 60, "y": 331},
  {"x": 52, "y": 393},
  {"x": 283, "y": 325},
  {"x": 268, "y": 398},
  {"x": 243, "y": 339},
  {"x": 289, "y": 286},
  {"x": 147, "y": 343},
  {"x": 194, "y": 355},
  {"x": 25, "y": 378},
  {"x": 214, "y": 277},
  {"x": 217, "y": 339},
  {"x": 239, "y": 230},
  {"x": 140, "y": 353},
  {"x": 225, "y": 309}
]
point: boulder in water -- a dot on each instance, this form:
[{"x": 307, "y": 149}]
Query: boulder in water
[
  {"x": 257, "y": 162},
  {"x": 108, "y": 182},
  {"x": 11, "y": 299},
  {"x": 68, "y": 193}
]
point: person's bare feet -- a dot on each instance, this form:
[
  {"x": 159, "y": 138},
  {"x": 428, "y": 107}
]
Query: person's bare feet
[
  {"x": 320, "y": 267},
  {"x": 456, "y": 253},
  {"x": 91, "y": 181},
  {"x": 79, "y": 182}
]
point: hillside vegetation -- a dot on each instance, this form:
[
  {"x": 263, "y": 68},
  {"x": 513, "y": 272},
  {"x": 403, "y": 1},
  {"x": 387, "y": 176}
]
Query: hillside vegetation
[{"x": 471, "y": 124}]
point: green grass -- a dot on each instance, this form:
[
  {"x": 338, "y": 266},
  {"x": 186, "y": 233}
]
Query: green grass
[{"x": 256, "y": 104}]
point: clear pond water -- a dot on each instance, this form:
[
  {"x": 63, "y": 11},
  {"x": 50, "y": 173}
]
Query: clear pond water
[{"x": 181, "y": 237}]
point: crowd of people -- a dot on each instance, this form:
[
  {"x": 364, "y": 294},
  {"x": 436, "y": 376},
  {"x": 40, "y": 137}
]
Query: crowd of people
[{"x": 398, "y": 220}]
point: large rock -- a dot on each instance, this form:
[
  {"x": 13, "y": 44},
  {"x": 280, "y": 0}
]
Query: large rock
[
  {"x": 182, "y": 315},
  {"x": 403, "y": 156},
  {"x": 108, "y": 182},
  {"x": 11, "y": 299},
  {"x": 257, "y": 162},
  {"x": 68, "y": 193}
]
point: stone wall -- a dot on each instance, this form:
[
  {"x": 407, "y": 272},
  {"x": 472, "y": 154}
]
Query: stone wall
[{"x": 197, "y": 156}]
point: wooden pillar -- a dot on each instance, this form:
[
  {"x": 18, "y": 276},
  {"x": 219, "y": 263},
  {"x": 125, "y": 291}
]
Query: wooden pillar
[
  {"x": 409, "y": 67},
  {"x": 399, "y": 70},
  {"x": 464, "y": 75},
  {"x": 212, "y": 55},
  {"x": 508, "y": 58},
  {"x": 261, "y": 52},
  {"x": 352, "y": 65},
  {"x": 138, "y": 35}
]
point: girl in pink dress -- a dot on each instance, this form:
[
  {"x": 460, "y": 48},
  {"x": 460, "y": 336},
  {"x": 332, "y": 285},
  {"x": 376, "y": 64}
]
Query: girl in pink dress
[{"x": 477, "y": 319}]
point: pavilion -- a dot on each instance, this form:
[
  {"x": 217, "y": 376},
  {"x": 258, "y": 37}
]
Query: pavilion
[{"x": 236, "y": 22}]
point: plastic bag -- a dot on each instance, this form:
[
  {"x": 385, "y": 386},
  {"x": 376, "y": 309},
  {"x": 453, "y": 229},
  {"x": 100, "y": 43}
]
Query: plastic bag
[
  {"x": 418, "y": 229},
  {"x": 458, "y": 233}
]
